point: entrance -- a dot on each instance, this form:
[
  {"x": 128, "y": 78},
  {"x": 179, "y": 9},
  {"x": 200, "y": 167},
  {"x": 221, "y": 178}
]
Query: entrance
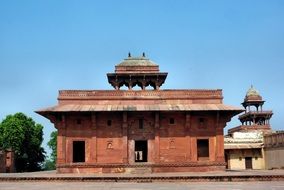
[
  {"x": 78, "y": 151},
  {"x": 141, "y": 151},
  {"x": 202, "y": 149},
  {"x": 248, "y": 161}
]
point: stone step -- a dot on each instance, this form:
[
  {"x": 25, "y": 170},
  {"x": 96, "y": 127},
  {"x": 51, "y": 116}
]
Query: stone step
[{"x": 141, "y": 170}]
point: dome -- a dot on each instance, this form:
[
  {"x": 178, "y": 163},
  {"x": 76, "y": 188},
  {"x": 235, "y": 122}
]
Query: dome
[
  {"x": 136, "y": 61},
  {"x": 252, "y": 94}
]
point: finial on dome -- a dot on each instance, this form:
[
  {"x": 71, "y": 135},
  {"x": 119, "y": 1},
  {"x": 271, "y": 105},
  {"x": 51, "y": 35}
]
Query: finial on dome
[
  {"x": 129, "y": 54},
  {"x": 143, "y": 54}
]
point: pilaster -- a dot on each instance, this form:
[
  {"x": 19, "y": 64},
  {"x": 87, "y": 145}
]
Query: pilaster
[
  {"x": 93, "y": 145},
  {"x": 187, "y": 133},
  {"x": 125, "y": 137},
  {"x": 61, "y": 140},
  {"x": 157, "y": 137}
]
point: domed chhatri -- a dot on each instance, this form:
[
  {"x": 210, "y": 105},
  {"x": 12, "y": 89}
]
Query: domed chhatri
[
  {"x": 139, "y": 71},
  {"x": 254, "y": 118},
  {"x": 252, "y": 94}
]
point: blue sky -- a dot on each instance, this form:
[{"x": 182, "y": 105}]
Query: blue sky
[{"x": 50, "y": 45}]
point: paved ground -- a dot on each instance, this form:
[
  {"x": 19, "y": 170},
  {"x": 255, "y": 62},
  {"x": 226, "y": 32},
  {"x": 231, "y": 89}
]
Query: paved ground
[
  {"x": 68, "y": 185},
  {"x": 141, "y": 186},
  {"x": 214, "y": 173}
]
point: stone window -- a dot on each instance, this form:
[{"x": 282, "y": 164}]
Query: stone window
[
  {"x": 202, "y": 122},
  {"x": 78, "y": 151},
  {"x": 203, "y": 148},
  {"x": 172, "y": 121},
  {"x": 141, "y": 123},
  {"x": 109, "y": 122}
]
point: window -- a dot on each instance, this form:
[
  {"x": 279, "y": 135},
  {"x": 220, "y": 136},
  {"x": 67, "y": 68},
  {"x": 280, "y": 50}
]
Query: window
[
  {"x": 78, "y": 151},
  {"x": 108, "y": 122},
  {"x": 202, "y": 123},
  {"x": 202, "y": 148},
  {"x": 141, "y": 123},
  {"x": 172, "y": 121}
]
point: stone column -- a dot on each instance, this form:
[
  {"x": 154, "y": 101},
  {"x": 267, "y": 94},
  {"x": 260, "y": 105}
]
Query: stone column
[
  {"x": 125, "y": 137},
  {"x": 157, "y": 137},
  {"x": 220, "y": 124},
  {"x": 193, "y": 148},
  {"x": 93, "y": 145},
  {"x": 61, "y": 141}
]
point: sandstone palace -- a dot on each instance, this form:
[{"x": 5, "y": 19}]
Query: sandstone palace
[{"x": 156, "y": 130}]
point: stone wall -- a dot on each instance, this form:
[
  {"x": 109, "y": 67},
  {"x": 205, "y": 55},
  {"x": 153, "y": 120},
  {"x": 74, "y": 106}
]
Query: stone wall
[
  {"x": 237, "y": 158},
  {"x": 274, "y": 150},
  {"x": 110, "y": 138}
]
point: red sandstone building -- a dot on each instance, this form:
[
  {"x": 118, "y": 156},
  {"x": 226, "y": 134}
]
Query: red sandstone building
[{"x": 156, "y": 130}]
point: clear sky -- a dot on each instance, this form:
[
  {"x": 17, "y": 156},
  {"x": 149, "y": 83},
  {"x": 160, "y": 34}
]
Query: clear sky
[{"x": 50, "y": 45}]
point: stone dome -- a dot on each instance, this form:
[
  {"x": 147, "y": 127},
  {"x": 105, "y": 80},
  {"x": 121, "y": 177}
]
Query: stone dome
[
  {"x": 252, "y": 95},
  {"x": 136, "y": 61}
]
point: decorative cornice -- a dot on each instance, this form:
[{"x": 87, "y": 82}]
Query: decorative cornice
[{"x": 147, "y": 94}]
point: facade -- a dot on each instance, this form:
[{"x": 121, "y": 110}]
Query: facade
[
  {"x": 274, "y": 150},
  {"x": 7, "y": 161},
  {"x": 150, "y": 130},
  {"x": 244, "y": 150},
  {"x": 244, "y": 144}
]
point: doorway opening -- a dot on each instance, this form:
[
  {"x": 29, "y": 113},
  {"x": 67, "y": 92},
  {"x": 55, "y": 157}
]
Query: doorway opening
[
  {"x": 248, "y": 162},
  {"x": 202, "y": 149},
  {"x": 141, "y": 151},
  {"x": 78, "y": 151}
]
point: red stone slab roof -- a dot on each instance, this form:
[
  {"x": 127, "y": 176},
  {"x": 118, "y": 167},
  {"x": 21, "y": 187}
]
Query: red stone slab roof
[
  {"x": 141, "y": 100},
  {"x": 243, "y": 146},
  {"x": 156, "y": 107}
]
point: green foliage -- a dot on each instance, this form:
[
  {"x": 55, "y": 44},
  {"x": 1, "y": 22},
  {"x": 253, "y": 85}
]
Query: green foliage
[
  {"x": 48, "y": 165},
  {"x": 24, "y": 136},
  {"x": 52, "y": 144}
]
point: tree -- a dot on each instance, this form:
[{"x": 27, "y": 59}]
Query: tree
[
  {"x": 24, "y": 137},
  {"x": 48, "y": 164},
  {"x": 52, "y": 144}
]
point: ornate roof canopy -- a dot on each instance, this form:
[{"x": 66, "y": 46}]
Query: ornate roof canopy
[{"x": 139, "y": 71}]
